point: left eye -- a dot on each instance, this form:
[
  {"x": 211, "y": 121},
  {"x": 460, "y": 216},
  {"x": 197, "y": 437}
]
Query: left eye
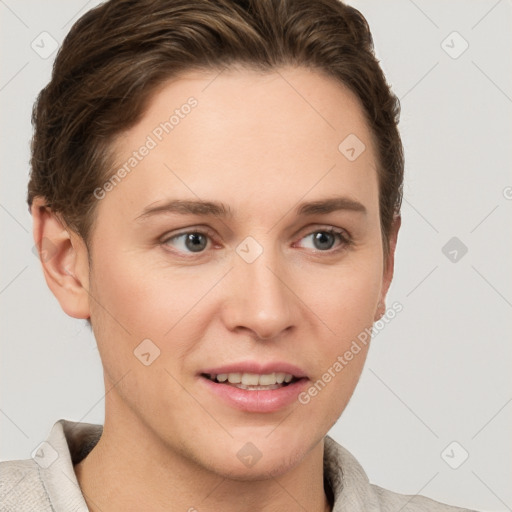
[{"x": 324, "y": 239}]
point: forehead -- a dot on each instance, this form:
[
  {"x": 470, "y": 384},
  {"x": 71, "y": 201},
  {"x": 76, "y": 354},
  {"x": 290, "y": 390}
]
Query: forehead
[{"x": 247, "y": 135}]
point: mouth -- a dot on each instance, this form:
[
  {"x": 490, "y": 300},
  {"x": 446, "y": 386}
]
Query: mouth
[
  {"x": 253, "y": 381},
  {"x": 254, "y": 387}
]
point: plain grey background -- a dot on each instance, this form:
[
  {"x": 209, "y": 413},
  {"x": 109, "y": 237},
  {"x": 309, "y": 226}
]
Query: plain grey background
[{"x": 437, "y": 384}]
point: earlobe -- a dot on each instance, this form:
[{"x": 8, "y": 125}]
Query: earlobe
[
  {"x": 389, "y": 268},
  {"x": 63, "y": 256}
]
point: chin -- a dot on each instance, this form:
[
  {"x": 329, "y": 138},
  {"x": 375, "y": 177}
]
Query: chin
[
  {"x": 247, "y": 462},
  {"x": 262, "y": 470}
]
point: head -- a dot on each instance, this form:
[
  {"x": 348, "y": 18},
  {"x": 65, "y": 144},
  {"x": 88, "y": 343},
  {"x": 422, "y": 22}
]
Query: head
[{"x": 276, "y": 120}]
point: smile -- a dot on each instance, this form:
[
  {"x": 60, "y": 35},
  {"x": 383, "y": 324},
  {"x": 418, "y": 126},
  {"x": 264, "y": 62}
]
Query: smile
[
  {"x": 250, "y": 386},
  {"x": 253, "y": 381}
]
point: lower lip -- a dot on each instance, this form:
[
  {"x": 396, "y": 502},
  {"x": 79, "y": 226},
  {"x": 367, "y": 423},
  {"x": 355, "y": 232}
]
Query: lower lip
[{"x": 271, "y": 400}]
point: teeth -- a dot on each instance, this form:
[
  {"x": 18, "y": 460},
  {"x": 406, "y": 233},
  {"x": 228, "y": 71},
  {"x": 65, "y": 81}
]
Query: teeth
[
  {"x": 250, "y": 379},
  {"x": 256, "y": 388},
  {"x": 267, "y": 380},
  {"x": 253, "y": 379},
  {"x": 235, "y": 378}
]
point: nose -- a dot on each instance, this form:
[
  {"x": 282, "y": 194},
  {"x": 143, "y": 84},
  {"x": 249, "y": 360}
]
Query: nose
[{"x": 260, "y": 297}]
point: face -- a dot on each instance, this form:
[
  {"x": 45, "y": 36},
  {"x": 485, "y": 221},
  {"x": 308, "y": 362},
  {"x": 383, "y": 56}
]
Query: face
[{"x": 242, "y": 248}]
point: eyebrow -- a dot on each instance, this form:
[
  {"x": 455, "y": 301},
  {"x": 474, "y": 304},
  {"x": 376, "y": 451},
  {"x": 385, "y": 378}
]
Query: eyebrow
[{"x": 214, "y": 208}]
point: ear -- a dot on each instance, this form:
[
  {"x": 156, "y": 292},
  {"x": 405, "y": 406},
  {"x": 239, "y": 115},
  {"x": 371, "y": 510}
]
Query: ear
[
  {"x": 387, "y": 276},
  {"x": 63, "y": 256}
]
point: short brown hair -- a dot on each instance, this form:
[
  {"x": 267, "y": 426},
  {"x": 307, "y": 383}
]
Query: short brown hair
[{"x": 117, "y": 54}]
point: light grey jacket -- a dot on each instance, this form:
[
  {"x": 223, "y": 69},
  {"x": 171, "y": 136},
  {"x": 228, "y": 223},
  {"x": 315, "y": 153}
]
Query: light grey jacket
[{"x": 47, "y": 482}]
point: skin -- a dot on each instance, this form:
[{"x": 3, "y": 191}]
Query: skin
[{"x": 261, "y": 147}]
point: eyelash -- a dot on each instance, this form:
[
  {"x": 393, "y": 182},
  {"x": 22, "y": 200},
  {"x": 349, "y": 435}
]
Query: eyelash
[{"x": 342, "y": 235}]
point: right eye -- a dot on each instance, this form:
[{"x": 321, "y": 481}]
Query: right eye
[{"x": 188, "y": 241}]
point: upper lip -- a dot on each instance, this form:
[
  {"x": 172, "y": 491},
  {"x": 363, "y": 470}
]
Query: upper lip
[{"x": 257, "y": 368}]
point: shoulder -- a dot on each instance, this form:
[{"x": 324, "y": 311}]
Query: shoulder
[
  {"x": 21, "y": 487},
  {"x": 390, "y": 501},
  {"x": 353, "y": 491},
  {"x": 47, "y": 481}
]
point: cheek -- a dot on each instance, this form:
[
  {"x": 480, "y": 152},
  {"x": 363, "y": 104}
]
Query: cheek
[
  {"x": 345, "y": 297},
  {"x": 142, "y": 298},
  {"x": 135, "y": 307},
  {"x": 347, "y": 308},
  {"x": 138, "y": 297}
]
